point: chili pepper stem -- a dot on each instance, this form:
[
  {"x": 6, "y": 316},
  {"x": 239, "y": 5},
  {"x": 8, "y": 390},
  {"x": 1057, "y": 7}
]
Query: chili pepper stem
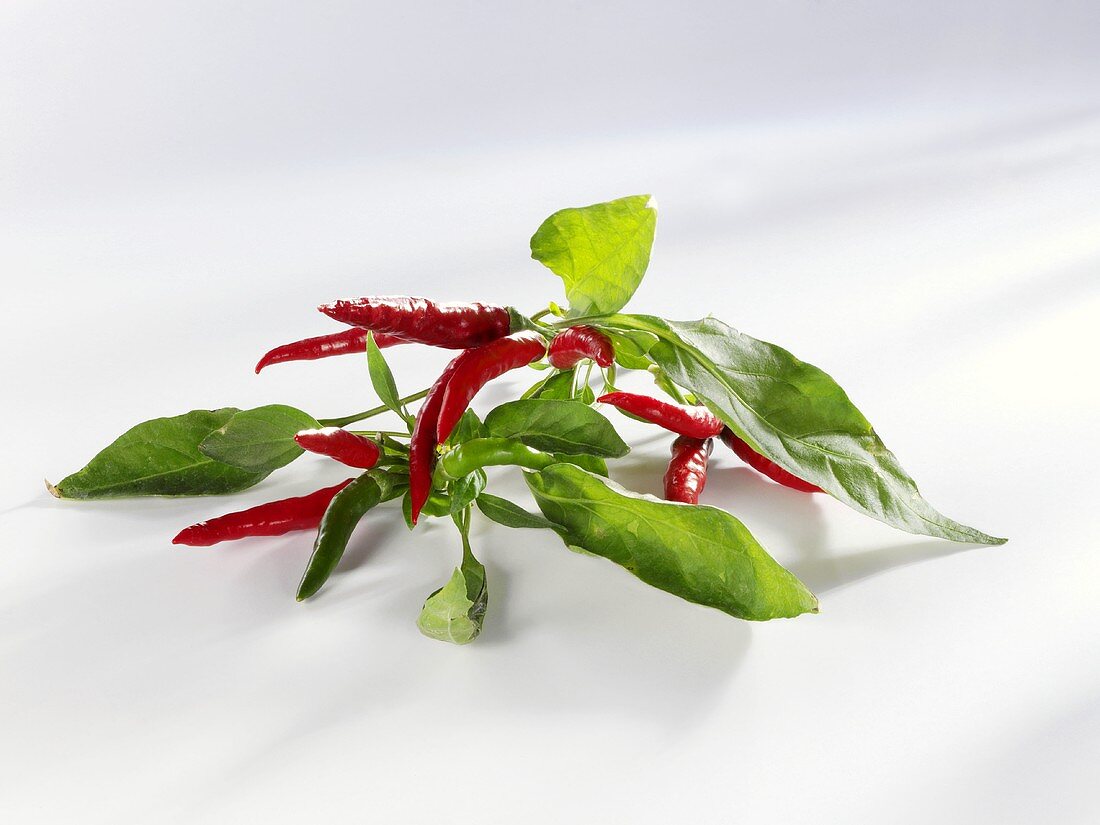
[{"x": 373, "y": 411}]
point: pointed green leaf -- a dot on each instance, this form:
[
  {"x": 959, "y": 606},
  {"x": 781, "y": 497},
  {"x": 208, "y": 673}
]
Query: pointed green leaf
[
  {"x": 796, "y": 415},
  {"x": 160, "y": 458},
  {"x": 698, "y": 553},
  {"x": 381, "y": 378},
  {"x": 260, "y": 440},
  {"x": 556, "y": 426}
]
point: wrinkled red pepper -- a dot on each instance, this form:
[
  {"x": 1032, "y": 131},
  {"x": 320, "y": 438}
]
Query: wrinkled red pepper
[
  {"x": 687, "y": 470},
  {"x": 577, "y": 343},
  {"x": 694, "y": 422},
  {"x": 474, "y": 368},
  {"x": 453, "y": 326},
  {"x": 347, "y": 448},
  {"x": 766, "y": 466},
  {"x": 272, "y": 519},
  {"x": 323, "y": 346}
]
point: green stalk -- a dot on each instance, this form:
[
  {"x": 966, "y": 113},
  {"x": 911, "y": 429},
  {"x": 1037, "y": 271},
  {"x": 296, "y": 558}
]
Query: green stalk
[{"x": 373, "y": 411}]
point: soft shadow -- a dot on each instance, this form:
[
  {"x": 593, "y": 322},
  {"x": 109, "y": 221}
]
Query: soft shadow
[{"x": 832, "y": 572}]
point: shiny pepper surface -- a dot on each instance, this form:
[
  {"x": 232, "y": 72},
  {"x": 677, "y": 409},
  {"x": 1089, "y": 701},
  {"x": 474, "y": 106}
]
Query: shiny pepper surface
[
  {"x": 687, "y": 470},
  {"x": 765, "y": 466},
  {"x": 577, "y": 343},
  {"x": 694, "y": 422}
]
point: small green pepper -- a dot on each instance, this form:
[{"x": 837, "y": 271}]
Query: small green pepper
[{"x": 489, "y": 452}]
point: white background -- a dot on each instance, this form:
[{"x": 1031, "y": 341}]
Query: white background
[{"x": 906, "y": 194}]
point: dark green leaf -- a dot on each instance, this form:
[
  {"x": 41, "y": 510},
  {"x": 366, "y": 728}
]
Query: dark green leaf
[
  {"x": 592, "y": 463},
  {"x": 465, "y": 490},
  {"x": 381, "y": 378},
  {"x": 631, "y": 347},
  {"x": 796, "y": 415},
  {"x": 555, "y": 387},
  {"x": 699, "y": 553},
  {"x": 505, "y": 512},
  {"x": 260, "y": 440},
  {"x": 160, "y": 458},
  {"x": 601, "y": 252},
  {"x": 468, "y": 427},
  {"x": 556, "y": 426}
]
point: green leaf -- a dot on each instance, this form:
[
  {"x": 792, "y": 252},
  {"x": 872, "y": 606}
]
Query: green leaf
[
  {"x": 160, "y": 458},
  {"x": 260, "y": 440},
  {"x": 381, "y": 378},
  {"x": 556, "y": 426},
  {"x": 468, "y": 427},
  {"x": 592, "y": 463},
  {"x": 631, "y": 347},
  {"x": 343, "y": 514},
  {"x": 796, "y": 415},
  {"x": 701, "y": 554},
  {"x": 601, "y": 252},
  {"x": 555, "y": 387},
  {"x": 456, "y": 611},
  {"x": 465, "y": 490},
  {"x": 503, "y": 511}
]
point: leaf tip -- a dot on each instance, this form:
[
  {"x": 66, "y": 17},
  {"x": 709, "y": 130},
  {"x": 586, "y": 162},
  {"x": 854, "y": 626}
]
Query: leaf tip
[{"x": 52, "y": 488}]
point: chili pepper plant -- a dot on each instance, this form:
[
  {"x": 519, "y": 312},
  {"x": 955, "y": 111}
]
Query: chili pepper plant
[{"x": 782, "y": 416}]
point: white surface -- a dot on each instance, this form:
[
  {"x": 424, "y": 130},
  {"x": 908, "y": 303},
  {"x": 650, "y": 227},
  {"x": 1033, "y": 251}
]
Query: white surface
[{"x": 907, "y": 195}]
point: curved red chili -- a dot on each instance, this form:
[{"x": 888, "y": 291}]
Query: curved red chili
[
  {"x": 272, "y": 519},
  {"x": 577, "y": 343},
  {"x": 323, "y": 346},
  {"x": 474, "y": 368},
  {"x": 687, "y": 470},
  {"x": 347, "y": 448},
  {"x": 765, "y": 466},
  {"x": 453, "y": 326},
  {"x": 423, "y": 442},
  {"x": 694, "y": 422}
]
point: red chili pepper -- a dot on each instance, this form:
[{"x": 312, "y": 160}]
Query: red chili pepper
[
  {"x": 272, "y": 519},
  {"x": 323, "y": 346},
  {"x": 347, "y": 448},
  {"x": 576, "y": 343},
  {"x": 766, "y": 466},
  {"x": 454, "y": 326},
  {"x": 694, "y": 422},
  {"x": 423, "y": 442},
  {"x": 475, "y": 368},
  {"x": 687, "y": 471}
]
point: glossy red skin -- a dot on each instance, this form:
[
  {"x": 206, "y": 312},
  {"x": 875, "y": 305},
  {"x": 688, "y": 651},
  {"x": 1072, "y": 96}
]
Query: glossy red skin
[
  {"x": 577, "y": 343},
  {"x": 475, "y": 368},
  {"x": 272, "y": 519},
  {"x": 323, "y": 346},
  {"x": 423, "y": 442},
  {"x": 694, "y": 422},
  {"x": 453, "y": 326},
  {"x": 687, "y": 471},
  {"x": 347, "y": 448},
  {"x": 765, "y": 466}
]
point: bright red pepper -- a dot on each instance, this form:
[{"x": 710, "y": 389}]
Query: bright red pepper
[
  {"x": 324, "y": 346},
  {"x": 272, "y": 519},
  {"x": 766, "y": 466},
  {"x": 453, "y": 326},
  {"x": 474, "y": 368},
  {"x": 577, "y": 343},
  {"x": 347, "y": 448},
  {"x": 687, "y": 470},
  {"x": 694, "y": 422},
  {"x": 423, "y": 442}
]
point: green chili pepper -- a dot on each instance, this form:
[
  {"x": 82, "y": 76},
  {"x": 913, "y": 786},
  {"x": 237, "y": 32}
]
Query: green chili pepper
[
  {"x": 345, "y": 511},
  {"x": 489, "y": 452}
]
